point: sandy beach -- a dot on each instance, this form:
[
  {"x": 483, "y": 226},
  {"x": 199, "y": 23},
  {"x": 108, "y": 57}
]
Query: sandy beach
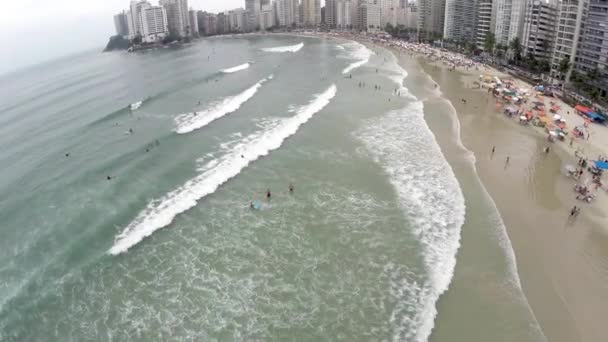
[{"x": 562, "y": 262}]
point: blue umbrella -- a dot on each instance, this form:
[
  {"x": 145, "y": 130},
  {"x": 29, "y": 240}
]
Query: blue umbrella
[{"x": 601, "y": 165}]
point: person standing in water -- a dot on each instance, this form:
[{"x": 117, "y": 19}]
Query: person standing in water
[
  {"x": 268, "y": 194},
  {"x": 290, "y": 188}
]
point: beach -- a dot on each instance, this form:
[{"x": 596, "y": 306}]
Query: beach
[
  {"x": 283, "y": 187},
  {"x": 562, "y": 262}
]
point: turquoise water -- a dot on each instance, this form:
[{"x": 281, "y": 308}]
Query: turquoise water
[{"x": 167, "y": 248}]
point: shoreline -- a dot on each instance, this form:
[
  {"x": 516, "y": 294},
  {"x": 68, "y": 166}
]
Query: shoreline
[{"x": 545, "y": 305}]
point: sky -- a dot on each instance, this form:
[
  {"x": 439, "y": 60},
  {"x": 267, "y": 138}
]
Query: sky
[{"x": 34, "y": 31}]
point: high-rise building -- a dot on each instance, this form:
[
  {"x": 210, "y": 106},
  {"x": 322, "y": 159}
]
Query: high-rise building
[
  {"x": 177, "y": 16},
  {"x": 411, "y": 16},
  {"x": 267, "y": 17},
  {"x": 387, "y": 12},
  {"x": 311, "y": 10},
  {"x": 330, "y": 13},
  {"x": 540, "y": 24},
  {"x": 370, "y": 15},
  {"x": 431, "y": 14},
  {"x": 460, "y": 20},
  {"x": 237, "y": 18},
  {"x": 193, "y": 22},
  {"x": 154, "y": 24},
  {"x": 509, "y": 22},
  {"x": 344, "y": 12},
  {"x": 401, "y": 13},
  {"x": 134, "y": 19},
  {"x": 287, "y": 12},
  {"x": 572, "y": 15},
  {"x": 593, "y": 45},
  {"x": 485, "y": 22},
  {"x": 121, "y": 24},
  {"x": 253, "y": 8}
]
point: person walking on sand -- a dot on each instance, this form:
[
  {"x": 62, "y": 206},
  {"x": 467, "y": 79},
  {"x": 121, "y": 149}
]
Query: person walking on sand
[
  {"x": 493, "y": 150},
  {"x": 507, "y": 161}
]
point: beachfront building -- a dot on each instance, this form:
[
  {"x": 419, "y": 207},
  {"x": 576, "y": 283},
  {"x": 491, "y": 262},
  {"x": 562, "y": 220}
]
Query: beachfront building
[
  {"x": 387, "y": 12},
  {"x": 401, "y": 13},
  {"x": 509, "y": 22},
  {"x": 330, "y": 13},
  {"x": 154, "y": 24},
  {"x": 134, "y": 18},
  {"x": 287, "y": 12},
  {"x": 267, "y": 17},
  {"x": 121, "y": 24},
  {"x": 344, "y": 14},
  {"x": 207, "y": 23},
  {"x": 431, "y": 14},
  {"x": 177, "y": 16},
  {"x": 311, "y": 13},
  {"x": 237, "y": 19},
  {"x": 540, "y": 23},
  {"x": 592, "y": 54},
  {"x": 485, "y": 22},
  {"x": 571, "y": 17},
  {"x": 370, "y": 16},
  {"x": 253, "y": 8},
  {"x": 460, "y": 19},
  {"x": 193, "y": 22},
  {"x": 411, "y": 16}
]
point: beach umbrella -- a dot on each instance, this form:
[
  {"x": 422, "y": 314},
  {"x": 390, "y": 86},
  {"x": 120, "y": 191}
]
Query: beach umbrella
[
  {"x": 556, "y": 117},
  {"x": 552, "y": 133},
  {"x": 601, "y": 165}
]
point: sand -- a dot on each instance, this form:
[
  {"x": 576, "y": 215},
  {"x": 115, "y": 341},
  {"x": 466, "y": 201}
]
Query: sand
[{"x": 563, "y": 263}]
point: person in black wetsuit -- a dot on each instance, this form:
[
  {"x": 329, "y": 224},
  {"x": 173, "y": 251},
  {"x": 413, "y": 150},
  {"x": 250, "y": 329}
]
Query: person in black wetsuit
[
  {"x": 291, "y": 188},
  {"x": 268, "y": 194}
]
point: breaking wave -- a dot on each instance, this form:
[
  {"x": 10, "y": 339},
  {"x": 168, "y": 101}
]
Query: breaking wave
[
  {"x": 360, "y": 52},
  {"x": 188, "y": 122},
  {"x": 236, "y": 68},
  {"x": 161, "y": 212}
]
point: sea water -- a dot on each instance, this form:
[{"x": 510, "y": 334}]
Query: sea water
[{"x": 127, "y": 181}]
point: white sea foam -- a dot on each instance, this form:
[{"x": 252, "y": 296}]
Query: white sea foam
[
  {"x": 136, "y": 105},
  {"x": 188, "y": 122},
  {"x": 161, "y": 212},
  {"x": 361, "y": 53},
  {"x": 236, "y": 68},
  {"x": 288, "y": 48},
  {"x": 431, "y": 197}
]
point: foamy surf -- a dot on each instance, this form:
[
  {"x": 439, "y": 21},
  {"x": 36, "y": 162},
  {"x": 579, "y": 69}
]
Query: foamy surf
[
  {"x": 136, "y": 105},
  {"x": 161, "y": 212},
  {"x": 430, "y": 195},
  {"x": 289, "y": 48},
  {"x": 188, "y": 122},
  {"x": 236, "y": 68},
  {"x": 360, "y": 52}
]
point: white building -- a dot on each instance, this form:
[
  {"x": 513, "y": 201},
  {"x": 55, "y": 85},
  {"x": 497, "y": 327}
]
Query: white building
[
  {"x": 253, "y": 8},
  {"x": 193, "y": 22},
  {"x": 370, "y": 16},
  {"x": 459, "y": 23},
  {"x": 134, "y": 18},
  {"x": 267, "y": 17},
  {"x": 572, "y": 15},
  {"x": 411, "y": 16},
  {"x": 509, "y": 22},
  {"x": 388, "y": 14},
  {"x": 344, "y": 12},
  {"x": 485, "y": 21},
  {"x": 238, "y": 20},
  {"x": 287, "y": 12},
  {"x": 330, "y": 13},
  {"x": 154, "y": 24},
  {"x": 178, "y": 16},
  {"x": 311, "y": 12},
  {"x": 540, "y": 24},
  {"x": 431, "y": 14}
]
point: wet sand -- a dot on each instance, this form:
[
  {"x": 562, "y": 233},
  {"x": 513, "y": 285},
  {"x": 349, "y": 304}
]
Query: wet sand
[{"x": 563, "y": 263}]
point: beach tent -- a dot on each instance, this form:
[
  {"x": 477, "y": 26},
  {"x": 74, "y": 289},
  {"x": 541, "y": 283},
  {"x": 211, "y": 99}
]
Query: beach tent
[
  {"x": 582, "y": 109},
  {"x": 601, "y": 165},
  {"x": 596, "y": 117}
]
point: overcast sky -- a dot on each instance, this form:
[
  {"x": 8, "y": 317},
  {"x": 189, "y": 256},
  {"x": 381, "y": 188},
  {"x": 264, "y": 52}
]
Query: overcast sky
[{"x": 33, "y": 31}]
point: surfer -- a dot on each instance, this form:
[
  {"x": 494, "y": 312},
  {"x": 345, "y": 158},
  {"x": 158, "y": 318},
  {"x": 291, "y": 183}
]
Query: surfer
[
  {"x": 268, "y": 194},
  {"x": 67, "y": 155}
]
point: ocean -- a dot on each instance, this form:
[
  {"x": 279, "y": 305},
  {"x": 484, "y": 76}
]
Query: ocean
[{"x": 127, "y": 181}]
